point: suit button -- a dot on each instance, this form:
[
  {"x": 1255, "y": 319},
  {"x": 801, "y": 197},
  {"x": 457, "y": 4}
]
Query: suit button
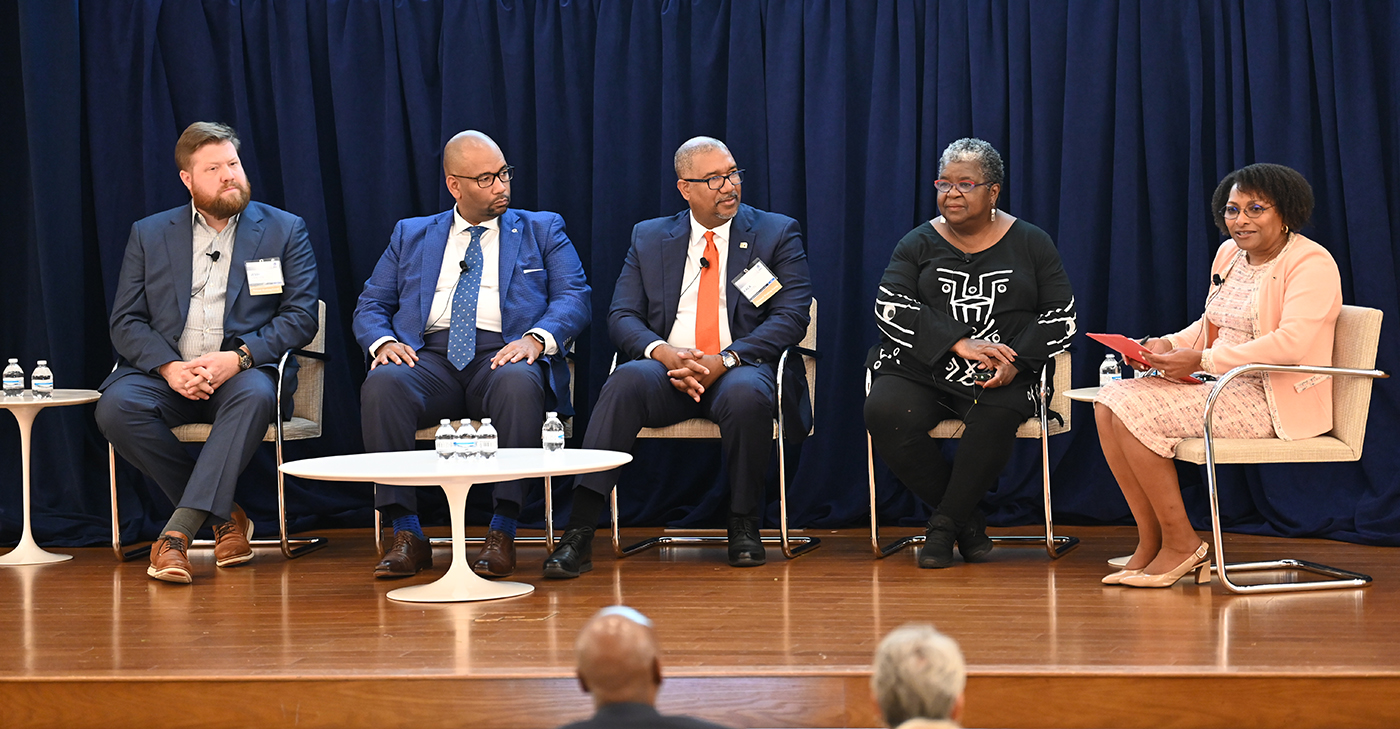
[{"x": 177, "y": 337}]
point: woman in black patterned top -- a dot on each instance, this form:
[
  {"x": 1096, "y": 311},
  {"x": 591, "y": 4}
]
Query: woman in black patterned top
[{"x": 972, "y": 306}]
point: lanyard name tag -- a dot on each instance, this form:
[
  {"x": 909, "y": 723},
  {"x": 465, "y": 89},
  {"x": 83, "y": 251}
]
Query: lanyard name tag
[
  {"x": 265, "y": 276},
  {"x": 757, "y": 283}
]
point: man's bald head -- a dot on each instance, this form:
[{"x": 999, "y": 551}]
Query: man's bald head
[
  {"x": 468, "y": 142},
  {"x": 469, "y": 158},
  {"x": 618, "y": 658}
]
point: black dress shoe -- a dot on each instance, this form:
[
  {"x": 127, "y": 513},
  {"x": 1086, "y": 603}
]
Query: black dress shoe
[
  {"x": 497, "y": 555},
  {"x": 573, "y": 556},
  {"x": 973, "y": 543},
  {"x": 938, "y": 543},
  {"x": 745, "y": 544},
  {"x": 409, "y": 554}
]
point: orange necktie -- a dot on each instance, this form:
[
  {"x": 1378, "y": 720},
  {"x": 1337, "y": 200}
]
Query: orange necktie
[{"x": 707, "y": 300}]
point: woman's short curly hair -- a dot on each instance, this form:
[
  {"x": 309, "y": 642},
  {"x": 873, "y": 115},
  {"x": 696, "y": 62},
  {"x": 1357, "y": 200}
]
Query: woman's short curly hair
[
  {"x": 979, "y": 152},
  {"x": 1285, "y": 187}
]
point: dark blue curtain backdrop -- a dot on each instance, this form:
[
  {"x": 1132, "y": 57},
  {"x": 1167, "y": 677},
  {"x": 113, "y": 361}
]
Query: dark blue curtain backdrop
[{"x": 1115, "y": 120}]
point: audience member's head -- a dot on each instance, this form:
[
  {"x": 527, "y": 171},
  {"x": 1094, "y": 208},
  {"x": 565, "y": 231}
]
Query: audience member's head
[
  {"x": 618, "y": 658},
  {"x": 918, "y": 674}
]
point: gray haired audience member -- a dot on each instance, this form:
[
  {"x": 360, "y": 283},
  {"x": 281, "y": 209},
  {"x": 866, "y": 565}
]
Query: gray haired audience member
[
  {"x": 619, "y": 664},
  {"x": 918, "y": 678}
]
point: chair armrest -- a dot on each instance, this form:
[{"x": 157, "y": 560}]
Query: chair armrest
[{"x": 1219, "y": 385}]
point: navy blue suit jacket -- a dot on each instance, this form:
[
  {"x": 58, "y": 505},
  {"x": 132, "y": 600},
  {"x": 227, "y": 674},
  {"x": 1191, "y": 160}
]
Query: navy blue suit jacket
[
  {"x": 649, "y": 291},
  {"x": 153, "y": 291},
  {"x": 542, "y": 285}
]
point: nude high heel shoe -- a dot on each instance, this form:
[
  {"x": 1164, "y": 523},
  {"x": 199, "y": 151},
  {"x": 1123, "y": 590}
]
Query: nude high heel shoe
[
  {"x": 1197, "y": 561},
  {"x": 1116, "y": 578}
]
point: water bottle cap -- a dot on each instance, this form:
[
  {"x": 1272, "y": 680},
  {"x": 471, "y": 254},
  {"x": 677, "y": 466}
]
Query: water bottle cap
[
  {"x": 445, "y": 421},
  {"x": 485, "y": 421},
  {"x": 551, "y": 414},
  {"x": 43, "y": 362},
  {"x": 14, "y": 361}
]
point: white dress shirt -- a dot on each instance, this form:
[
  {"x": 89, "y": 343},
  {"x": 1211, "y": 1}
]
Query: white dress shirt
[
  {"x": 488, "y": 301},
  {"x": 204, "y": 324},
  {"x": 683, "y": 331}
]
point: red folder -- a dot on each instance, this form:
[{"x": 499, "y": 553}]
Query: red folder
[{"x": 1130, "y": 349}]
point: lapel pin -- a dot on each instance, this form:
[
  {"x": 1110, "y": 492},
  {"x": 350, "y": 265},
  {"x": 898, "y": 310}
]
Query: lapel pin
[
  {"x": 514, "y": 230},
  {"x": 743, "y": 244}
]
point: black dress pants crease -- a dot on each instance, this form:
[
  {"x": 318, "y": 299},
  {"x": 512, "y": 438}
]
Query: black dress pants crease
[
  {"x": 743, "y": 402},
  {"x": 899, "y": 413}
]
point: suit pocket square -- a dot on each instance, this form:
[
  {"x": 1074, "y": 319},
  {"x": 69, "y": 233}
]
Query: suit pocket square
[{"x": 532, "y": 270}]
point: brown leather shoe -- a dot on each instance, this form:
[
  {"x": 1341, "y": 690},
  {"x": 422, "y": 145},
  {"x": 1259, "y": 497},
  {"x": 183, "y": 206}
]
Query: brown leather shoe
[
  {"x": 231, "y": 540},
  {"x": 406, "y": 557},
  {"x": 169, "y": 561},
  {"x": 497, "y": 556}
]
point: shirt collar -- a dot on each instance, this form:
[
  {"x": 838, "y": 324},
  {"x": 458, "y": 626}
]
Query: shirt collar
[
  {"x": 460, "y": 224},
  {"x": 626, "y": 709},
  {"x": 697, "y": 231},
  {"x": 197, "y": 219}
]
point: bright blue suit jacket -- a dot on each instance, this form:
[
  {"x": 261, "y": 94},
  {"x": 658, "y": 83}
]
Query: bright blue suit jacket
[
  {"x": 649, "y": 291},
  {"x": 153, "y": 291},
  {"x": 542, "y": 285}
]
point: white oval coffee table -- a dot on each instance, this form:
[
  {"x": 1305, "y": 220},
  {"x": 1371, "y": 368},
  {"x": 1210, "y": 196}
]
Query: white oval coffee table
[
  {"x": 424, "y": 468},
  {"x": 25, "y": 408}
]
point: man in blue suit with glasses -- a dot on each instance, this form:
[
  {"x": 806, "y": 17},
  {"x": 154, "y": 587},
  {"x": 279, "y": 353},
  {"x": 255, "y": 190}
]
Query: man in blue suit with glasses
[{"x": 469, "y": 311}]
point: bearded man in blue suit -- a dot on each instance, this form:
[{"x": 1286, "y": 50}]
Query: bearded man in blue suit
[
  {"x": 469, "y": 311},
  {"x": 210, "y": 296},
  {"x": 694, "y": 345}
]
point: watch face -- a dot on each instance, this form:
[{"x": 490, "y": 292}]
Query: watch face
[{"x": 730, "y": 361}]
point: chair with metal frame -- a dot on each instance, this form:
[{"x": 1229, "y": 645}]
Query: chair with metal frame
[
  {"x": 305, "y": 423},
  {"x": 1353, "y": 362},
  {"x": 702, "y": 429},
  {"x": 1039, "y": 426},
  {"x": 430, "y": 433}
]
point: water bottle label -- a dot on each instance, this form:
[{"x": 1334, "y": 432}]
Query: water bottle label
[{"x": 14, "y": 383}]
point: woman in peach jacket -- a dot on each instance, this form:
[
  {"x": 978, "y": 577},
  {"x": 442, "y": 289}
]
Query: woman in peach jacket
[{"x": 1274, "y": 299}]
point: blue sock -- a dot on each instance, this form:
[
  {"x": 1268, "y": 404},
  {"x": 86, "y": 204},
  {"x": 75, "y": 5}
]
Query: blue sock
[
  {"x": 409, "y": 524},
  {"x": 504, "y": 524}
]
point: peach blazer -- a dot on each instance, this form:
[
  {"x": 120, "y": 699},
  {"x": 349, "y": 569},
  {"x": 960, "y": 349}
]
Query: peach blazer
[{"x": 1295, "y": 320}]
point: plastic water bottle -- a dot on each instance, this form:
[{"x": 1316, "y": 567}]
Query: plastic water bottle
[
  {"x": 445, "y": 440},
  {"x": 552, "y": 433},
  {"x": 14, "y": 378},
  {"x": 465, "y": 445},
  {"x": 486, "y": 440},
  {"x": 41, "y": 381},
  {"x": 1108, "y": 371}
]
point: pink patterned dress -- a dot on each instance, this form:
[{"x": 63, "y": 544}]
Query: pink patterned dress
[{"x": 1161, "y": 413}]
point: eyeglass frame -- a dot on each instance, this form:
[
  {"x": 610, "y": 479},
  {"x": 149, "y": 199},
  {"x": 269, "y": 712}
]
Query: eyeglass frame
[
  {"x": 484, "y": 180},
  {"x": 958, "y": 186},
  {"x": 709, "y": 181},
  {"x": 1256, "y": 207}
]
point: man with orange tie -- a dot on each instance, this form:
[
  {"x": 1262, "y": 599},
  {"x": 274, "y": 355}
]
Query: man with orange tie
[{"x": 707, "y": 301}]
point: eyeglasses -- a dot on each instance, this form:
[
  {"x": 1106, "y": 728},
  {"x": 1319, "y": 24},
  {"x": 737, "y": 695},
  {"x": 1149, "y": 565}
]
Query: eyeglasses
[
  {"x": 1230, "y": 212},
  {"x": 485, "y": 180},
  {"x": 735, "y": 178},
  {"x": 944, "y": 186}
]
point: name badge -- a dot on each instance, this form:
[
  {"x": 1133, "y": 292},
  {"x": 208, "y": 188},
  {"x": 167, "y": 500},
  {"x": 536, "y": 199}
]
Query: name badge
[
  {"x": 265, "y": 276},
  {"x": 757, "y": 283}
]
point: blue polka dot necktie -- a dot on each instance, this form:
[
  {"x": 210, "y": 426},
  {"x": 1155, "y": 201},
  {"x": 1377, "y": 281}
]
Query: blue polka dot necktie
[{"x": 461, "y": 340}]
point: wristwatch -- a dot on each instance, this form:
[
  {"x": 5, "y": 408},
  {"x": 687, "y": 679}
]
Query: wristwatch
[
  {"x": 538, "y": 338},
  {"x": 245, "y": 360},
  {"x": 730, "y": 359}
]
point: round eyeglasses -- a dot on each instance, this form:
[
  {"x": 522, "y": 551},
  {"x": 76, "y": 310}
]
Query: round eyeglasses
[
  {"x": 735, "y": 178},
  {"x": 485, "y": 180},
  {"x": 944, "y": 186},
  {"x": 1230, "y": 212}
]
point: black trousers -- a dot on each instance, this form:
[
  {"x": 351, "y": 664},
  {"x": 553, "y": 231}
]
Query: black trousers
[
  {"x": 397, "y": 400},
  {"x": 743, "y": 402},
  {"x": 899, "y": 413},
  {"x": 137, "y": 412}
]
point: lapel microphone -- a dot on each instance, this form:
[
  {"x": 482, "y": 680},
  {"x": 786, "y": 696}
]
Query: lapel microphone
[
  {"x": 1216, "y": 279},
  {"x": 704, "y": 262},
  {"x": 213, "y": 256},
  {"x": 463, "y": 265}
]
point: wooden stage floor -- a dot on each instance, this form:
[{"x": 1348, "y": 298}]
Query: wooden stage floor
[{"x": 315, "y": 643}]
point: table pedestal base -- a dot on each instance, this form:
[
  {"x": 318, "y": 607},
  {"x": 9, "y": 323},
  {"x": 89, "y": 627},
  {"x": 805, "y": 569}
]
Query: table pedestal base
[
  {"x": 460, "y": 584},
  {"x": 29, "y": 552}
]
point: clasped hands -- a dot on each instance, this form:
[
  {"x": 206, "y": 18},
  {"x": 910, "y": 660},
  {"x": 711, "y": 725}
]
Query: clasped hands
[
  {"x": 691, "y": 370},
  {"x": 1173, "y": 362},
  {"x": 198, "y": 378},
  {"x": 527, "y": 348},
  {"x": 989, "y": 355}
]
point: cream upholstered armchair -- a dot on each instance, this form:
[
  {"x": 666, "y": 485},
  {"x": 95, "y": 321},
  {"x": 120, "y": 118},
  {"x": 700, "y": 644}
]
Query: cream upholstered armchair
[
  {"x": 699, "y": 428},
  {"x": 305, "y": 423},
  {"x": 1039, "y": 427},
  {"x": 1352, "y": 371}
]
